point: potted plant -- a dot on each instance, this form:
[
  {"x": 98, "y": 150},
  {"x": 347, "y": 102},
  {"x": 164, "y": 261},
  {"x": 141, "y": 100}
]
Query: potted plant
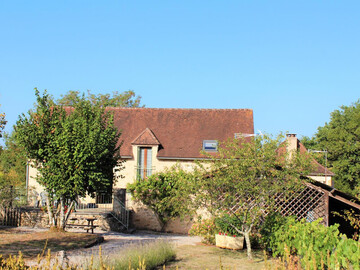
[{"x": 228, "y": 237}]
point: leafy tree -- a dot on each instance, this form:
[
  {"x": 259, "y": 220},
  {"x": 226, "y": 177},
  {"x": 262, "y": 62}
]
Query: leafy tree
[
  {"x": 75, "y": 152},
  {"x": 166, "y": 193},
  {"x": 242, "y": 179},
  {"x": 341, "y": 138},
  {"x": 2, "y": 123},
  {"x": 12, "y": 171},
  {"x": 125, "y": 99}
]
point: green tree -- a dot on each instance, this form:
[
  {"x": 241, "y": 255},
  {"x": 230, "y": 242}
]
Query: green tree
[
  {"x": 341, "y": 138},
  {"x": 243, "y": 178},
  {"x": 166, "y": 193},
  {"x": 12, "y": 172},
  {"x": 125, "y": 99},
  {"x": 2, "y": 123},
  {"x": 75, "y": 152}
]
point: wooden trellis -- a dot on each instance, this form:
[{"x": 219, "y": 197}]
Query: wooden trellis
[{"x": 310, "y": 203}]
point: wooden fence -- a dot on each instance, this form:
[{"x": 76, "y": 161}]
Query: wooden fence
[{"x": 10, "y": 216}]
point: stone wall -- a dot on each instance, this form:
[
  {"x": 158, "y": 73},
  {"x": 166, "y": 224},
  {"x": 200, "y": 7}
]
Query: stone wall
[
  {"x": 144, "y": 218},
  {"x": 34, "y": 217}
]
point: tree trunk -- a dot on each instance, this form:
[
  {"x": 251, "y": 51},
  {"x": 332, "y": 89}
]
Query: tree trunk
[
  {"x": 67, "y": 215},
  {"x": 52, "y": 221},
  {"x": 248, "y": 244},
  {"x": 62, "y": 214}
]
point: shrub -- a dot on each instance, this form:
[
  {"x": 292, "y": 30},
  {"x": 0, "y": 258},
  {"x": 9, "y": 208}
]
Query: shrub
[
  {"x": 166, "y": 193},
  {"x": 315, "y": 245},
  {"x": 223, "y": 224},
  {"x": 206, "y": 229}
]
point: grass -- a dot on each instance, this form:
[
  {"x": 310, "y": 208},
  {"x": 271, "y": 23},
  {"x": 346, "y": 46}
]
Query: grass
[
  {"x": 147, "y": 256},
  {"x": 211, "y": 257},
  {"x": 31, "y": 244}
]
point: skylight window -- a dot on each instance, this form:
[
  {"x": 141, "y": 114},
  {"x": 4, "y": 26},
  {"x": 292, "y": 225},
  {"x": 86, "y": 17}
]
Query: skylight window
[{"x": 210, "y": 145}]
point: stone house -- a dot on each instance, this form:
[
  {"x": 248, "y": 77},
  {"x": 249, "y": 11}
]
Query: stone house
[{"x": 154, "y": 139}]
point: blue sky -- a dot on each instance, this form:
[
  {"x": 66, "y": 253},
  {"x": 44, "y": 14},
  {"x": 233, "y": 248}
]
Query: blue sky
[{"x": 292, "y": 62}]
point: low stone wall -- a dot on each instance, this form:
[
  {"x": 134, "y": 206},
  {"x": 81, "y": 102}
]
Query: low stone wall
[
  {"x": 104, "y": 221},
  {"x": 34, "y": 217},
  {"x": 144, "y": 218}
]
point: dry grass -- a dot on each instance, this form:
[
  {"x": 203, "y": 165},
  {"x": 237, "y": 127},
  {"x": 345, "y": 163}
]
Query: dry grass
[
  {"x": 210, "y": 257},
  {"x": 31, "y": 244}
]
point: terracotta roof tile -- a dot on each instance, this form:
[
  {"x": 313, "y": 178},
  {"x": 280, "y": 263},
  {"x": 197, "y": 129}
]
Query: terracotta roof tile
[
  {"x": 180, "y": 132},
  {"x": 146, "y": 138}
]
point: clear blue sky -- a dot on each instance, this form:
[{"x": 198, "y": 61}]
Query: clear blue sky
[{"x": 292, "y": 62}]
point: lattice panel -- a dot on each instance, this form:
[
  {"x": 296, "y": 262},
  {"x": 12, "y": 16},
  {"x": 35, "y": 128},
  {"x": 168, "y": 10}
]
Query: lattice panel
[{"x": 309, "y": 203}]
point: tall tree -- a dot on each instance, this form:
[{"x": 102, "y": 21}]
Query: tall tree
[
  {"x": 75, "y": 151},
  {"x": 116, "y": 99},
  {"x": 244, "y": 177},
  {"x": 12, "y": 172},
  {"x": 341, "y": 138}
]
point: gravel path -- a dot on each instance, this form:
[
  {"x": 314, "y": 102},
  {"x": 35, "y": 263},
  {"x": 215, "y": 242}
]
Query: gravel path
[{"x": 115, "y": 242}]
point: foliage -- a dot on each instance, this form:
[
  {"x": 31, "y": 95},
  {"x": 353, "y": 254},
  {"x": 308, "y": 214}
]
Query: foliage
[
  {"x": 341, "y": 138},
  {"x": 2, "y": 123},
  {"x": 166, "y": 193},
  {"x": 273, "y": 222},
  {"x": 12, "y": 172},
  {"x": 206, "y": 229},
  {"x": 353, "y": 218},
  {"x": 243, "y": 178},
  {"x": 125, "y": 99},
  {"x": 315, "y": 244},
  {"x": 75, "y": 152},
  {"x": 224, "y": 227}
]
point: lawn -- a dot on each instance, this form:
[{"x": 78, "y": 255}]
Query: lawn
[
  {"x": 210, "y": 257},
  {"x": 31, "y": 244}
]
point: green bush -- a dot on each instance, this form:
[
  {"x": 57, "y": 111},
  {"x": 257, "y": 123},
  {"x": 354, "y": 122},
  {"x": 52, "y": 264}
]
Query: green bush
[
  {"x": 315, "y": 244},
  {"x": 223, "y": 225},
  {"x": 206, "y": 229},
  {"x": 166, "y": 193}
]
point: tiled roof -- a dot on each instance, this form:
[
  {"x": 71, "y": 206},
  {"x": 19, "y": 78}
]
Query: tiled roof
[
  {"x": 180, "y": 132},
  {"x": 146, "y": 138},
  {"x": 318, "y": 168}
]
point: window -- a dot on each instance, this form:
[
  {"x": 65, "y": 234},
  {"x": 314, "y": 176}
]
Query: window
[
  {"x": 210, "y": 145},
  {"x": 144, "y": 167}
]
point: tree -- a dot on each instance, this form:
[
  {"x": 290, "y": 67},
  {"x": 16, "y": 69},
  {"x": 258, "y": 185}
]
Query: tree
[
  {"x": 74, "y": 151},
  {"x": 12, "y": 172},
  {"x": 166, "y": 193},
  {"x": 125, "y": 99},
  {"x": 341, "y": 138},
  {"x": 240, "y": 182},
  {"x": 2, "y": 123}
]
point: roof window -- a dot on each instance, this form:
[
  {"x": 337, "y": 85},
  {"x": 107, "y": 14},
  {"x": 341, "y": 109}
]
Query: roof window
[{"x": 210, "y": 145}]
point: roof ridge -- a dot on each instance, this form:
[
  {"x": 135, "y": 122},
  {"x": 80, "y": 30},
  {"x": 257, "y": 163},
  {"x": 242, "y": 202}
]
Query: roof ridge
[{"x": 184, "y": 109}]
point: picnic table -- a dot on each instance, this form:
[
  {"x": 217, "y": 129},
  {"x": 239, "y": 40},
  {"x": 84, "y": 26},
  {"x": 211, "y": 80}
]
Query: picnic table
[{"x": 89, "y": 227}]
